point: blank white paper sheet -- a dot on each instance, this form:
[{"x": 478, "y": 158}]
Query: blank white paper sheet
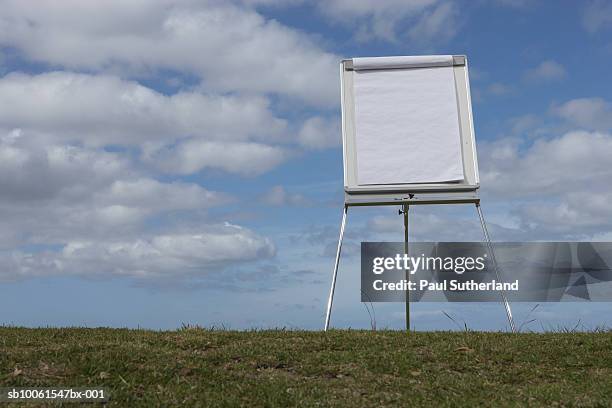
[{"x": 407, "y": 126}]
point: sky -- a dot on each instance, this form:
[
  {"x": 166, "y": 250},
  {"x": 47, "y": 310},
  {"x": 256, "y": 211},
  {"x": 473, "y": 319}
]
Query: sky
[{"x": 165, "y": 163}]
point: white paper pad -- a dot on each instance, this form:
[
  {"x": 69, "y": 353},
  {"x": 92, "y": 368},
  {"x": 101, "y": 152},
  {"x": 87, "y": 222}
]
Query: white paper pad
[{"x": 407, "y": 126}]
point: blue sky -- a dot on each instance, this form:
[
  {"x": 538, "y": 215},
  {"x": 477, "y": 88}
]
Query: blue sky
[{"x": 179, "y": 162}]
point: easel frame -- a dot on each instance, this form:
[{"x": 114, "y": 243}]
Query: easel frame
[{"x": 406, "y": 195}]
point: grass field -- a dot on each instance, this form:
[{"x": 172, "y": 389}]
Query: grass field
[{"x": 196, "y": 367}]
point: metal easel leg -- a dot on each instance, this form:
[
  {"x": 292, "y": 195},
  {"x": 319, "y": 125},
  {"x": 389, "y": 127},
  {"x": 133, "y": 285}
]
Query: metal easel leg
[
  {"x": 333, "y": 283},
  {"x": 497, "y": 276}
]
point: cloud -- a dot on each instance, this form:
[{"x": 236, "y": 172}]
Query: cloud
[
  {"x": 320, "y": 133},
  {"x": 55, "y": 193},
  {"x": 559, "y": 185},
  {"x": 278, "y": 196},
  {"x": 100, "y": 110},
  {"x": 223, "y": 45},
  {"x": 29, "y": 171},
  {"x": 524, "y": 123},
  {"x": 439, "y": 24},
  {"x": 571, "y": 162},
  {"x": 597, "y": 16},
  {"x": 92, "y": 170},
  {"x": 588, "y": 113},
  {"x": 165, "y": 256},
  {"x": 181, "y": 133},
  {"x": 192, "y": 156},
  {"x": 156, "y": 196},
  {"x": 431, "y": 21},
  {"x": 576, "y": 213},
  {"x": 546, "y": 71}
]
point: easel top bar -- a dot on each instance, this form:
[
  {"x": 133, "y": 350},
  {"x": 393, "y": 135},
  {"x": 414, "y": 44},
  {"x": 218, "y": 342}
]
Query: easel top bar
[{"x": 457, "y": 60}]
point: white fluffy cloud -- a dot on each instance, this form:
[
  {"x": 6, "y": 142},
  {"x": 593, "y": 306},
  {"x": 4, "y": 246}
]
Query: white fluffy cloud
[
  {"x": 278, "y": 196},
  {"x": 33, "y": 171},
  {"x": 82, "y": 146},
  {"x": 91, "y": 208},
  {"x": 229, "y": 48},
  {"x": 560, "y": 185},
  {"x": 587, "y": 113},
  {"x": 577, "y": 160},
  {"x": 191, "y": 156},
  {"x": 54, "y": 193},
  {"x": 103, "y": 110},
  {"x": 576, "y": 213},
  {"x": 438, "y": 24},
  {"x": 156, "y": 196},
  {"x": 182, "y": 133},
  {"x": 160, "y": 256},
  {"x": 432, "y": 21},
  {"x": 320, "y": 133}
]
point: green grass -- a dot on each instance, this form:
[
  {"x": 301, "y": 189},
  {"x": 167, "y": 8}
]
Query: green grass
[{"x": 196, "y": 367}]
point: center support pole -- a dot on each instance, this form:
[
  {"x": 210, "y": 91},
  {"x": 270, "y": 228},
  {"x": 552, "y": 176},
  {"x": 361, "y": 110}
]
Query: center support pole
[{"x": 404, "y": 211}]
